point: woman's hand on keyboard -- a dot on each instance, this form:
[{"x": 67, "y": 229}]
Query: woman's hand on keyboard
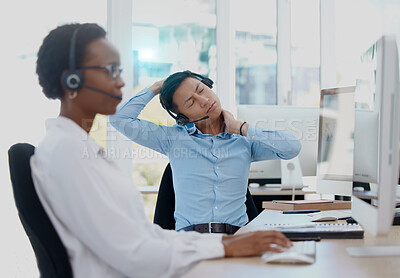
[{"x": 254, "y": 243}]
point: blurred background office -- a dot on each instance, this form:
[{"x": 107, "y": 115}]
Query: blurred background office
[{"x": 259, "y": 52}]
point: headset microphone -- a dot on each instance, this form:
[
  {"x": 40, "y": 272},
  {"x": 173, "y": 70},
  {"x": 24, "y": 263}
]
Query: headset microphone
[
  {"x": 206, "y": 117},
  {"x": 183, "y": 120},
  {"x": 102, "y": 92}
]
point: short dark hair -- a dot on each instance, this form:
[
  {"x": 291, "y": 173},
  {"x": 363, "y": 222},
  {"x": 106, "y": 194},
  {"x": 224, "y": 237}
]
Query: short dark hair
[
  {"x": 169, "y": 87},
  {"x": 53, "y": 55}
]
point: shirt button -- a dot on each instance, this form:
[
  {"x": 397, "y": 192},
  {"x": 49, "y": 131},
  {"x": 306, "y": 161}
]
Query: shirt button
[
  {"x": 216, "y": 187},
  {"x": 252, "y": 137},
  {"x": 217, "y": 167},
  {"x": 216, "y": 207}
]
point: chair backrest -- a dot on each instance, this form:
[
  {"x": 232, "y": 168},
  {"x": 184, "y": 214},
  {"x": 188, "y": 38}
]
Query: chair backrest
[
  {"x": 51, "y": 255},
  {"x": 165, "y": 206},
  {"x": 252, "y": 211}
]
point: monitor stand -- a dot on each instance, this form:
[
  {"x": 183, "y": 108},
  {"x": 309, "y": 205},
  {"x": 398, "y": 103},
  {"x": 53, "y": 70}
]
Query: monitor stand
[
  {"x": 374, "y": 251},
  {"x": 291, "y": 175}
]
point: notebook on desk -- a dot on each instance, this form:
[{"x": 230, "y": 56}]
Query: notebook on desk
[
  {"x": 321, "y": 230},
  {"x": 307, "y": 205}
]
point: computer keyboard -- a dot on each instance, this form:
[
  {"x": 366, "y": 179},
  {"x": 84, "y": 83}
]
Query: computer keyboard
[{"x": 302, "y": 252}]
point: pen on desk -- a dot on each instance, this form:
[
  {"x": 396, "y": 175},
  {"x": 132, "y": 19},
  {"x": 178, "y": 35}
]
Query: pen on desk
[
  {"x": 305, "y": 238},
  {"x": 300, "y": 211}
]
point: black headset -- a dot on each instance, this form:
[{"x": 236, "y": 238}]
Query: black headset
[
  {"x": 182, "y": 119},
  {"x": 72, "y": 79}
]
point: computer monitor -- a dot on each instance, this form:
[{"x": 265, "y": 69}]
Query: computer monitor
[
  {"x": 340, "y": 161},
  {"x": 377, "y": 93},
  {"x": 336, "y": 141},
  {"x": 302, "y": 122},
  {"x": 366, "y": 138}
]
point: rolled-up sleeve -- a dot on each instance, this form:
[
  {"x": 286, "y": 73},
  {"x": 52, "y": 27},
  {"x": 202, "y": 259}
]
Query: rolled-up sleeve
[
  {"x": 145, "y": 133},
  {"x": 272, "y": 144}
]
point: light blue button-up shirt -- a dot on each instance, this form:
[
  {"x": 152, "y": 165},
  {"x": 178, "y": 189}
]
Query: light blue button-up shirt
[{"x": 210, "y": 172}]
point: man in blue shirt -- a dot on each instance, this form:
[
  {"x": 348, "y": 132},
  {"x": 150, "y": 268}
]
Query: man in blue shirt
[{"x": 209, "y": 150}]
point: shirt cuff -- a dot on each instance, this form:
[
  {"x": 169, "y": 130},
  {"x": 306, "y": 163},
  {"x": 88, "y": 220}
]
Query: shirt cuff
[
  {"x": 211, "y": 245},
  {"x": 251, "y": 132}
]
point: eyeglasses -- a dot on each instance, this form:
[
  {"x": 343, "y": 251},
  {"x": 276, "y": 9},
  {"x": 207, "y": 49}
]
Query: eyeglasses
[{"x": 114, "y": 70}]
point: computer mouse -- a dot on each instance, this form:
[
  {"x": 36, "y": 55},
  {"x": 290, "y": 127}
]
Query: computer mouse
[
  {"x": 323, "y": 218},
  {"x": 358, "y": 189},
  {"x": 288, "y": 258}
]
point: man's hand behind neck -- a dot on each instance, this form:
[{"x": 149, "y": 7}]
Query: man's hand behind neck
[
  {"x": 234, "y": 126},
  {"x": 210, "y": 126}
]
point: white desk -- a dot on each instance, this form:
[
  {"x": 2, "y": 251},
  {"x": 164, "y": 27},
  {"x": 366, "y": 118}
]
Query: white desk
[
  {"x": 149, "y": 189},
  {"x": 332, "y": 260},
  {"x": 271, "y": 191},
  {"x": 259, "y": 191}
]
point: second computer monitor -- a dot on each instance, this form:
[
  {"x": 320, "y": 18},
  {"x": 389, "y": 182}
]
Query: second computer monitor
[
  {"x": 336, "y": 141},
  {"x": 302, "y": 122}
]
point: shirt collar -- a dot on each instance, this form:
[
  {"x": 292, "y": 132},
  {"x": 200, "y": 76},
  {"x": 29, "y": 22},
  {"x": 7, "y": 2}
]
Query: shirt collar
[
  {"x": 192, "y": 129},
  {"x": 70, "y": 127}
]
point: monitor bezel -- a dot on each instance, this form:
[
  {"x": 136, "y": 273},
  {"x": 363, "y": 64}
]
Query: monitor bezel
[
  {"x": 378, "y": 218},
  {"x": 332, "y": 184}
]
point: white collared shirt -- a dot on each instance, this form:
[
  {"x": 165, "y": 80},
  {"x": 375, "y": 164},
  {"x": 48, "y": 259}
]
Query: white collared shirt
[{"x": 99, "y": 214}]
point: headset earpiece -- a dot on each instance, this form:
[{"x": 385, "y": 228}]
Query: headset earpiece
[
  {"x": 181, "y": 119},
  {"x": 72, "y": 79}
]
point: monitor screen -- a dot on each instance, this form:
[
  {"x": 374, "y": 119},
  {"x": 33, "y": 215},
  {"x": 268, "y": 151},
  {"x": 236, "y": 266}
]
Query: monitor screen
[
  {"x": 336, "y": 141},
  {"x": 336, "y": 134}
]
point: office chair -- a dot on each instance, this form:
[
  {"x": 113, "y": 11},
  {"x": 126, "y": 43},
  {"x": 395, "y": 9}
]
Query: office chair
[
  {"x": 165, "y": 206},
  {"x": 51, "y": 255}
]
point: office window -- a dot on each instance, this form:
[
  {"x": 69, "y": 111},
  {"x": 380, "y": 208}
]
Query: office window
[
  {"x": 353, "y": 37},
  {"x": 255, "y": 51},
  {"x": 305, "y": 53},
  {"x": 168, "y": 36},
  {"x": 277, "y": 52}
]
